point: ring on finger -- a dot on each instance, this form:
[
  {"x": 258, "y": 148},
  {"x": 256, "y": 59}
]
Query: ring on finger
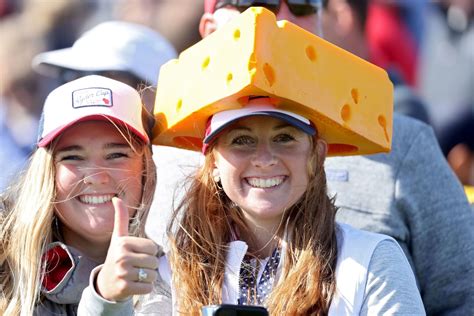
[{"x": 142, "y": 275}]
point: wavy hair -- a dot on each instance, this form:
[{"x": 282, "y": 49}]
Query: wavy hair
[
  {"x": 28, "y": 225},
  {"x": 201, "y": 229}
]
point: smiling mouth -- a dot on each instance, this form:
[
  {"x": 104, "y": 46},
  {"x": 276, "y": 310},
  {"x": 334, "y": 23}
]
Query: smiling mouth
[
  {"x": 96, "y": 199},
  {"x": 265, "y": 183}
]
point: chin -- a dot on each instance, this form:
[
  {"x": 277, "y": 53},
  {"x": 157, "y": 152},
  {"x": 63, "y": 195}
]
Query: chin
[{"x": 268, "y": 212}]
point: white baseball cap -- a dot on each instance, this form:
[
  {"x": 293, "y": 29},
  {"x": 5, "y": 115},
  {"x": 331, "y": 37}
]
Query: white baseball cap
[
  {"x": 219, "y": 121},
  {"x": 111, "y": 46},
  {"x": 90, "y": 98}
]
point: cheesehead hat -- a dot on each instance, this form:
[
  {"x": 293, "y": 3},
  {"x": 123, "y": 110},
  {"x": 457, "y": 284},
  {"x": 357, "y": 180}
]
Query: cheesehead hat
[{"x": 347, "y": 99}]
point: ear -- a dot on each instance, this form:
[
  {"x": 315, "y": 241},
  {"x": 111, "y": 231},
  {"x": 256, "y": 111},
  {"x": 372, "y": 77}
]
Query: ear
[
  {"x": 459, "y": 160},
  {"x": 321, "y": 148},
  {"x": 344, "y": 17},
  {"x": 216, "y": 175},
  {"x": 207, "y": 25}
]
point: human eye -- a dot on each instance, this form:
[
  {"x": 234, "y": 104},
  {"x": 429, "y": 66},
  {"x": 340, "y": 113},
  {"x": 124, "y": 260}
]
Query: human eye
[
  {"x": 118, "y": 155},
  {"x": 68, "y": 157},
  {"x": 284, "y": 138},
  {"x": 242, "y": 140}
]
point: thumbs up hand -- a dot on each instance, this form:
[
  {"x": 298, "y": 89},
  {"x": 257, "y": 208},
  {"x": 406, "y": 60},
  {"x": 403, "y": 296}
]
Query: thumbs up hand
[{"x": 131, "y": 262}]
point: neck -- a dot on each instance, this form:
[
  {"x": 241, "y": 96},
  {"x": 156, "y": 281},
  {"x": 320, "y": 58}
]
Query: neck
[
  {"x": 97, "y": 252},
  {"x": 262, "y": 237}
]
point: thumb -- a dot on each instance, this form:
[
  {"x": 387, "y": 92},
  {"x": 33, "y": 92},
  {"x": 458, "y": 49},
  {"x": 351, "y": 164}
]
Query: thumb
[{"x": 121, "y": 218}]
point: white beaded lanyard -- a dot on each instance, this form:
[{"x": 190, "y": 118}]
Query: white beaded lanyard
[{"x": 250, "y": 293}]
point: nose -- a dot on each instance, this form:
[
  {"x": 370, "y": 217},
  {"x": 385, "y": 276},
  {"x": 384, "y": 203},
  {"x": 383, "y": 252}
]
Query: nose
[
  {"x": 95, "y": 175},
  {"x": 264, "y": 156},
  {"x": 284, "y": 13}
]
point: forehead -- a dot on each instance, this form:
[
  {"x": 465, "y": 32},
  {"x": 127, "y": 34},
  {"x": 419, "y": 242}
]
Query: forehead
[
  {"x": 92, "y": 131},
  {"x": 308, "y": 22},
  {"x": 259, "y": 123}
]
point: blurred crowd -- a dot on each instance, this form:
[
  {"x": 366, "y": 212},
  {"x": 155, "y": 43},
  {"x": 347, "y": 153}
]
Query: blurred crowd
[{"x": 426, "y": 46}]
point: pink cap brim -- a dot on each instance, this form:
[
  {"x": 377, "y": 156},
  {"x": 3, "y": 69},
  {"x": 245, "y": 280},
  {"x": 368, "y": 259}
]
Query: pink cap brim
[{"x": 47, "y": 139}]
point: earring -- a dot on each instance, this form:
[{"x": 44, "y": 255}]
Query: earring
[{"x": 215, "y": 175}]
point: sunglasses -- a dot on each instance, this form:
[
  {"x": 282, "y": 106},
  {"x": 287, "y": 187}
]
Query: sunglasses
[{"x": 297, "y": 7}]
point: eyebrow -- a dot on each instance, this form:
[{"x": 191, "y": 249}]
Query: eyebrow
[
  {"x": 116, "y": 145},
  {"x": 278, "y": 127},
  {"x": 107, "y": 146},
  {"x": 69, "y": 148},
  {"x": 240, "y": 128},
  {"x": 284, "y": 125}
]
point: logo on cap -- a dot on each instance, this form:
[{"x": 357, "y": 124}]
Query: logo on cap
[{"x": 92, "y": 97}]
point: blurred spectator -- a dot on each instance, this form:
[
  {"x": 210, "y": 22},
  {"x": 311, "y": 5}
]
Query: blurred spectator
[
  {"x": 127, "y": 52},
  {"x": 410, "y": 193},
  {"x": 6, "y": 8},
  {"x": 446, "y": 64},
  {"x": 457, "y": 144},
  {"x": 177, "y": 20},
  {"x": 393, "y": 31},
  {"x": 345, "y": 24},
  {"x": 22, "y": 92}
]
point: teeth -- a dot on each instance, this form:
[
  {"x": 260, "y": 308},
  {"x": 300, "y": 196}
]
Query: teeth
[
  {"x": 265, "y": 183},
  {"x": 95, "y": 199}
]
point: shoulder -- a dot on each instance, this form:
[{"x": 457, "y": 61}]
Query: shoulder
[
  {"x": 370, "y": 268},
  {"x": 408, "y": 136},
  {"x": 67, "y": 273},
  {"x": 349, "y": 237},
  {"x": 355, "y": 251},
  {"x": 406, "y": 124},
  {"x": 387, "y": 252},
  {"x": 408, "y": 131},
  {"x": 391, "y": 285}
]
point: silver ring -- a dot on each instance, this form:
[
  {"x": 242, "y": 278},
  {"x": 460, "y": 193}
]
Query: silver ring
[{"x": 142, "y": 275}]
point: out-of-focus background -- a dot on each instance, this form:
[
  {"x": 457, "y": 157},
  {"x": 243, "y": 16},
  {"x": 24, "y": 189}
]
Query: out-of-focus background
[
  {"x": 428, "y": 45},
  {"x": 29, "y": 27}
]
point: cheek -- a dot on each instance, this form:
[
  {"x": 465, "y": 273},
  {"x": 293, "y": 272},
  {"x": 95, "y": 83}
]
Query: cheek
[
  {"x": 222, "y": 17},
  {"x": 131, "y": 178},
  {"x": 302, "y": 168},
  {"x": 229, "y": 176},
  {"x": 310, "y": 24},
  {"x": 66, "y": 178}
]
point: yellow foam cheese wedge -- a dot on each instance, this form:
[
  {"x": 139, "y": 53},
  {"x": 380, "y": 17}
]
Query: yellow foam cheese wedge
[{"x": 348, "y": 99}]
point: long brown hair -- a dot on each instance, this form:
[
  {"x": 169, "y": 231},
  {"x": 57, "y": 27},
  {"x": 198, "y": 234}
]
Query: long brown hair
[{"x": 201, "y": 229}]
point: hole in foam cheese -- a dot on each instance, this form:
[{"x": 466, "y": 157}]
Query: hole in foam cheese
[
  {"x": 348, "y": 99},
  {"x": 311, "y": 53}
]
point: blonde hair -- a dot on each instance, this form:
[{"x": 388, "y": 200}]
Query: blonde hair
[
  {"x": 27, "y": 226},
  {"x": 201, "y": 228}
]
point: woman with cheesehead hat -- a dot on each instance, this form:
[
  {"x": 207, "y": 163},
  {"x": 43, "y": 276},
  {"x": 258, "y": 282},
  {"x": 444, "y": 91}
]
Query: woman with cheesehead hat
[{"x": 257, "y": 227}]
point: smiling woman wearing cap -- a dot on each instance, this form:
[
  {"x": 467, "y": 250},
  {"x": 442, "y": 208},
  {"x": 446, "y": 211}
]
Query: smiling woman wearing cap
[{"x": 91, "y": 172}]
